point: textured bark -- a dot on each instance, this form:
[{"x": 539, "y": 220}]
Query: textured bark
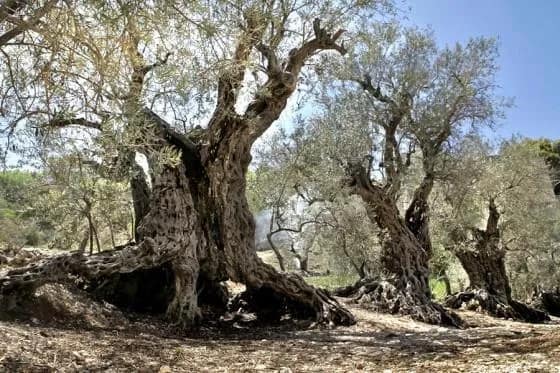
[
  {"x": 489, "y": 288},
  {"x": 198, "y": 219},
  {"x": 548, "y": 301},
  {"x": 406, "y": 244},
  {"x": 417, "y": 214},
  {"x": 237, "y": 231},
  {"x": 406, "y": 289},
  {"x": 140, "y": 197}
]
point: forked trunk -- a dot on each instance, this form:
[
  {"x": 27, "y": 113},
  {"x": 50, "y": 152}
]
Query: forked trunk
[
  {"x": 486, "y": 269},
  {"x": 199, "y": 222},
  {"x": 404, "y": 258},
  {"x": 199, "y": 219}
]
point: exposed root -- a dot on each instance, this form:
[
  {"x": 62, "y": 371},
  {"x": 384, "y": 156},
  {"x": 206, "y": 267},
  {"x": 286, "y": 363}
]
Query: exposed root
[
  {"x": 385, "y": 297},
  {"x": 548, "y": 301},
  {"x": 64, "y": 267},
  {"x": 481, "y": 300},
  {"x": 271, "y": 307},
  {"x": 141, "y": 279},
  {"x": 13, "y": 258},
  {"x": 298, "y": 297}
]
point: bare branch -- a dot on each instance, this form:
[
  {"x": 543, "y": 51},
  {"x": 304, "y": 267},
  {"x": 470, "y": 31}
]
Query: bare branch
[{"x": 65, "y": 122}]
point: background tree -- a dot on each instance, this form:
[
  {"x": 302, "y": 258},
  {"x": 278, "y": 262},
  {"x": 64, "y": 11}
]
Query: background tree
[
  {"x": 20, "y": 222},
  {"x": 550, "y": 151},
  {"x": 494, "y": 212},
  {"x": 86, "y": 210},
  {"x": 418, "y": 98},
  {"x": 304, "y": 215}
]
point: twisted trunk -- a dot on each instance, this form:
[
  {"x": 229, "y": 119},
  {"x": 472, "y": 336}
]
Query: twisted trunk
[
  {"x": 198, "y": 220},
  {"x": 404, "y": 257},
  {"x": 199, "y": 224},
  {"x": 489, "y": 287}
]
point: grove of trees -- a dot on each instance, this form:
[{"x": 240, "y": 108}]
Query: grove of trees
[{"x": 185, "y": 137}]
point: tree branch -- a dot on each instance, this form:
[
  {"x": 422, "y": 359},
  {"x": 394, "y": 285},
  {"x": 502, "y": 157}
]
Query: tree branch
[
  {"x": 188, "y": 148},
  {"x": 230, "y": 80},
  {"x": 7, "y": 10},
  {"x": 269, "y": 104},
  {"x": 64, "y": 122},
  {"x": 367, "y": 86}
]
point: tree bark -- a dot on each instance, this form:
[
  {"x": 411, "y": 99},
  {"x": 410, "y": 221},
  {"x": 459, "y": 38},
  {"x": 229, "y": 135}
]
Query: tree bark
[
  {"x": 198, "y": 218},
  {"x": 403, "y": 256},
  {"x": 548, "y": 301},
  {"x": 140, "y": 196},
  {"x": 198, "y": 221},
  {"x": 489, "y": 287}
]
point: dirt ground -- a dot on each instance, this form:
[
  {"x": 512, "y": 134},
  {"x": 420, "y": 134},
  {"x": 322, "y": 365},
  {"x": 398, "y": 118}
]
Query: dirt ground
[{"x": 101, "y": 339}]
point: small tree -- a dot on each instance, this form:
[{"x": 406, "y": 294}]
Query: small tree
[{"x": 84, "y": 208}]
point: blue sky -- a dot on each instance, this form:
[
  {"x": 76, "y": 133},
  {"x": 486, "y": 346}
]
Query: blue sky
[{"x": 529, "y": 35}]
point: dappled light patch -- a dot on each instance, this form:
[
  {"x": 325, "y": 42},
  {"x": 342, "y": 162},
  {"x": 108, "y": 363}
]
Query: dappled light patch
[{"x": 376, "y": 342}]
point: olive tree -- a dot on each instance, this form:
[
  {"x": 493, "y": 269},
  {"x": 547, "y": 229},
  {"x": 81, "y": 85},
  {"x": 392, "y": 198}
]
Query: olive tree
[
  {"x": 495, "y": 205},
  {"x": 192, "y": 86},
  {"x": 400, "y": 95}
]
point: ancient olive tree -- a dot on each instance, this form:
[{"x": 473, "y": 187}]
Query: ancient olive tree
[
  {"x": 230, "y": 67},
  {"x": 496, "y": 221},
  {"x": 402, "y": 96}
]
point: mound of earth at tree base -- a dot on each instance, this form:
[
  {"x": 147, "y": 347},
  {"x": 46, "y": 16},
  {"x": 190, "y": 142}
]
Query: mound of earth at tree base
[{"x": 56, "y": 304}]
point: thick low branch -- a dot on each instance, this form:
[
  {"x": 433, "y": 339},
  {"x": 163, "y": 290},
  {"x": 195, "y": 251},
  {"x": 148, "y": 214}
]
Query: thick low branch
[
  {"x": 60, "y": 268},
  {"x": 167, "y": 132}
]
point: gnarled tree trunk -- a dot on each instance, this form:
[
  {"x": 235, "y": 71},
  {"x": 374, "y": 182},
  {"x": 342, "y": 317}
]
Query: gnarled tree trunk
[
  {"x": 140, "y": 196},
  {"x": 199, "y": 222},
  {"x": 198, "y": 219},
  {"x": 489, "y": 287},
  {"x": 406, "y": 289}
]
